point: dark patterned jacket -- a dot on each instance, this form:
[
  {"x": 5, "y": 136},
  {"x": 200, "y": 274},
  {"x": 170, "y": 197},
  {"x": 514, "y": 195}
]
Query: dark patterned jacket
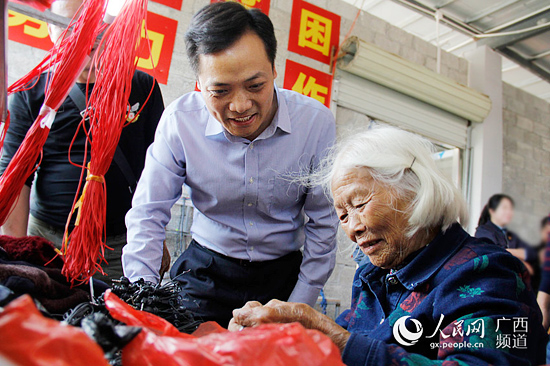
[{"x": 458, "y": 301}]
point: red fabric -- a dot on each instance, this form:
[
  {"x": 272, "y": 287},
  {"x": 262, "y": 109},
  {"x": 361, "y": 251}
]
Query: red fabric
[
  {"x": 30, "y": 339},
  {"x": 32, "y": 249}
]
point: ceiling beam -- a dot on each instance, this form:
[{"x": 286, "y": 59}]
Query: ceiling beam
[
  {"x": 46, "y": 16},
  {"x": 503, "y": 41},
  {"x": 537, "y": 70}
]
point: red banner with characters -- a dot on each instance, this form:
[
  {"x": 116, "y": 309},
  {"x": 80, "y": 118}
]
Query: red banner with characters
[
  {"x": 27, "y": 30},
  {"x": 307, "y": 81},
  {"x": 154, "y": 59},
  {"x": 162, "y": 36},
  {"x": 263, "y": 5},
  {"x": 175, "y": 4},
  {"x": 314, "y": 31}
]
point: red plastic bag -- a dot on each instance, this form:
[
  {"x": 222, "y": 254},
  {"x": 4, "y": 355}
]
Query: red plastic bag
[
  {"x": 130, "y": 316},
  {"x": 267, "y": 345},
  {"x": 28, "y": 338}
]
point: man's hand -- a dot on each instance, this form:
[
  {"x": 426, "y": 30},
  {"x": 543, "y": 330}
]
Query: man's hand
[
  {"x": 275, "y": 311},
  {"x": 166, "y": 259},
  {"x": 519, "y": 253}
]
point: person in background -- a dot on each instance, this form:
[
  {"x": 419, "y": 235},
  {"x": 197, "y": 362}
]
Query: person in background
[
  {"x": 543, "y": 297},
  {"x": 493, "y": 221},
  {"x": 544, "y": 235},
  {"x": 55, "y": 182},
  {"x": 541, "y": 252},
  {"x": 432, "y": 294},
  {"x": 236, "y": 145}
]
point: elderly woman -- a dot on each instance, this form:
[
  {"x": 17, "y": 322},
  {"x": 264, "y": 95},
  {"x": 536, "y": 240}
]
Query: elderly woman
[{"x": 432, "y": 294}]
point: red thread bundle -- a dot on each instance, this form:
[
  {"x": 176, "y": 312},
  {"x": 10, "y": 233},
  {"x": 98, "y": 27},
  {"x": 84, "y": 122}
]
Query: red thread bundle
[
  {"x": 107, "y": 110},
  {"x": 67, "y": 59}
]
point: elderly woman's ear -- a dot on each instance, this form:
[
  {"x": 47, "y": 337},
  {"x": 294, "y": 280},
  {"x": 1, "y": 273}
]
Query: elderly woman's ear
[{"x": 275, "y": 311}]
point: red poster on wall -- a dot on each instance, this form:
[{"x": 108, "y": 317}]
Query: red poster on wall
[
  {"x": 314, "y": 31},
  {"x": 175, "y": 4},
  {"x": 161, "y": 31},
  {"x": 263, "y": 5},
  {"x": 29, "y": 31},
  {"x": 162, "y": 36},
  {"x": 308, "y": 81}
]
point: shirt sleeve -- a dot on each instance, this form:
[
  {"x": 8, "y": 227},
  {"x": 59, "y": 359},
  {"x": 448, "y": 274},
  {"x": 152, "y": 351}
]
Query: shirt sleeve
[
  {"x": 479, "y": 311},
  {"x": 320, "y": 230},
  {"x": 21, "y": 120},
  {"x": 159, "y": 187}
]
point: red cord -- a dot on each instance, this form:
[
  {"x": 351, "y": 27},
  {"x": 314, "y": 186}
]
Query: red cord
[
  {"x": 345, "y": 39},
  {"x": 67, "y": 58},
  {"x": 107, "y": 111}
]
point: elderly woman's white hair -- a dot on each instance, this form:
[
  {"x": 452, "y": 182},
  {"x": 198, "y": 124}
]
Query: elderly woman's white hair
[{"x": 403, "y": 161}]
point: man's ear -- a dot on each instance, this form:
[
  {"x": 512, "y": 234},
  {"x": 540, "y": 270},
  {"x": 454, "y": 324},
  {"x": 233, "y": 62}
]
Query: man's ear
[
  {"x": 52, "y": 30},
  {"x": 274, "y": 72}
]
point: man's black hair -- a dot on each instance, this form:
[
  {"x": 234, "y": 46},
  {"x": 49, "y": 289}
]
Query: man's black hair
[{"x": 217, "y": 26}]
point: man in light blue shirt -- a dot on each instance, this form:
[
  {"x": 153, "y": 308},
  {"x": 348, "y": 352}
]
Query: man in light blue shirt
[{"x": 237, "y": 145}]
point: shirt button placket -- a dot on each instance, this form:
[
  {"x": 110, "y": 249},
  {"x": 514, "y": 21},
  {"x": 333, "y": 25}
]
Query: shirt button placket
[{"x": 251, "y": 171}]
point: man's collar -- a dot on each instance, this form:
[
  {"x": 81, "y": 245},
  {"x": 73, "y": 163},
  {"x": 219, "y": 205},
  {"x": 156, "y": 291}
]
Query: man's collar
[
  {"x": 213, "y": 126},
  {"x": 280, "y": 120}
]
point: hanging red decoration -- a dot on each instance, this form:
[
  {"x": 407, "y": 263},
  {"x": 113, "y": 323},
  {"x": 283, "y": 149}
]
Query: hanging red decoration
[
  {"x": 66, "y": 61},
  {"x": 107, "y": 112}
]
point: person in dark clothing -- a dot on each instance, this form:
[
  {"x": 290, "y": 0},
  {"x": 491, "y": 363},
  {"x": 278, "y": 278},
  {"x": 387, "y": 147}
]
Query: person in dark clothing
[
  {"x": 45, "y": 211},
  {"x": 493, "y": 221},
  {"x": 544, "y": 232},
  {"x": 543, "y": 297}
]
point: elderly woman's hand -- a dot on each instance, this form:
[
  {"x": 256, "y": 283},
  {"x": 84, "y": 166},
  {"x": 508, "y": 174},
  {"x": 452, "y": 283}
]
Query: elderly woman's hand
[{"x": 275, "y": 311}]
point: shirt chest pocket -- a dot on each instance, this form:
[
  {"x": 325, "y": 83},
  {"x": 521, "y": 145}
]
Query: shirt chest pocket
[{"x": 284, "y": 196}]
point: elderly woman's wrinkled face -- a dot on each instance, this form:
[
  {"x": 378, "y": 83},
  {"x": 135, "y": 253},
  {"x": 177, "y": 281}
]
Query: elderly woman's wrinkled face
[{"x": 373, "y": 216}]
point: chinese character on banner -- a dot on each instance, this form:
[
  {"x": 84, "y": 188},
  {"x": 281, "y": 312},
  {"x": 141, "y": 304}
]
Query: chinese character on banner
[
  {"x": 155, "y": 58},
  {"x": 314, "y": 32},
  {"x": 175, "y": 4},
  {"x": 308, "y": 81},
  {"x": 263, "y": 5},
  {"x": 29, "y": 31},
  {"x": 161, "y": 31}
]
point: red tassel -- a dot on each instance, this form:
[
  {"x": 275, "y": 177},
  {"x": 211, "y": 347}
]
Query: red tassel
[
  {"x": 68, "y": 57},
  {"x": 4, "y": 129},
  {"x": 26, "y": 157},
  {"x": 108, "y": 111}
]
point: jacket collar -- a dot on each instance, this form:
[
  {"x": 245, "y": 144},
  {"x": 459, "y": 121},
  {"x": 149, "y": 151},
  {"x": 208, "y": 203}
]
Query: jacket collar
[{"x": 425, "y": 262}]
